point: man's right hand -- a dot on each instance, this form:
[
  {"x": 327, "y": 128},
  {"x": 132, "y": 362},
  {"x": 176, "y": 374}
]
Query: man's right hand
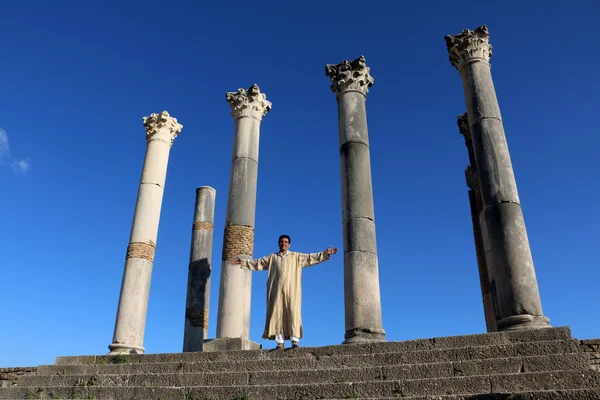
[{"x": 236, "y": 260}]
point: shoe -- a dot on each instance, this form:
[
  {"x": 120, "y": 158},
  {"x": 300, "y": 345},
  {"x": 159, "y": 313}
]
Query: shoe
[
  {"x": 279, "y": 346},
  {"x": 295, "y": 345}
]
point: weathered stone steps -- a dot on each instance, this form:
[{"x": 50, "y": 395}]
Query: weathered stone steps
[
  {"x": 503, "y": 383},
  {"x": 412, "y": 346},
  {"x": 186, "y": 376},
  {"x": 308, "y": 359},
  {"x": 543, "y": 364}
]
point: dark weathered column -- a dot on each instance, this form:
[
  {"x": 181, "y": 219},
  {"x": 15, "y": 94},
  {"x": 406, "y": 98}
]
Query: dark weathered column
[
  {"x": 510, "y": 264},
  {"x": 351, "y": 81},
  {"x": 233, "y": 318},
  {"x": 476, "y": 204},
  {"x": 161, "y": 130},
  {"x": 199, "y": 271}
]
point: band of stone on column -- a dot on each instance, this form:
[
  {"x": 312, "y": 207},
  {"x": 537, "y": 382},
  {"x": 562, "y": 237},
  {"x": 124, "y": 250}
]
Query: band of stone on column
[
  {"x": 202, "y": 225},
  {"x": 198, "y": 316},
  {"x": 141, "y": 250},
  {"x": 237, "y": 239}
]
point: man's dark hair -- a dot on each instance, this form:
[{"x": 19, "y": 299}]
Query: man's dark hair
[{"x": 284, "y": 237}]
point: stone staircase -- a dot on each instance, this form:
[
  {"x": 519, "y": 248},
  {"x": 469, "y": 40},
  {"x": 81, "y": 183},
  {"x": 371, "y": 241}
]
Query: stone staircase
[{"x": 544, "y": 364}]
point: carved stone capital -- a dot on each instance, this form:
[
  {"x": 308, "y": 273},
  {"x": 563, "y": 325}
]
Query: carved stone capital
[
  {"x": 463, "y": 125},
  {"x": 162, "y": 127},
  {"x": 248, "y": 103},
  {"x": 350, "y": 75},
  {"x": 469, "y": 46}
]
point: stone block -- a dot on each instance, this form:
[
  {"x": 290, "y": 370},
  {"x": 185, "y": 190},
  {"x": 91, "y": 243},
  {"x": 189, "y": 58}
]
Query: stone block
[
  {"x": 359, "y": 235},
  {"x": 487, "y": 367},
  {"x": 357, "y": 190},
  {"x": 229, "y": 344},
  {"x": 241, "y": 203},
  {"x": 352, "y": 119},
  {"x": 534, "y": 335},
  {"x": 361, "y": 294},
  {"x": 417, "y": 371},
  {"x": 535, "y": 381},
  {"x": 558, "y": 362}
]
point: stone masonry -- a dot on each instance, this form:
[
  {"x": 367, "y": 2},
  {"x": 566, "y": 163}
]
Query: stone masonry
[
  {"x": 510, "y": 264},
  {"x": 478, "y": 221},
  {"x": 591, "y": 347},
  {"x": 248, "y": 107},
  {"x": 130, "y": 324},
  {"x": 362, "y": 302}
]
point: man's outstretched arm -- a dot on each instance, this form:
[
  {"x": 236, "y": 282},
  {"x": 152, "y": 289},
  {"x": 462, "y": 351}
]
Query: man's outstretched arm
[
  {"x": 306, "y": 260},
  {"x": 258, "y": 264}
]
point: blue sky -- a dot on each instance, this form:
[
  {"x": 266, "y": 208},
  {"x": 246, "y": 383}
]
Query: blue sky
[{"x": 77, "y": 78}]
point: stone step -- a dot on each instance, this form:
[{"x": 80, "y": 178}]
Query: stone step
[
  {"x": 300, "y": 373},
  {"x": 307, "y": 360},
  {"x": 471, "y": 385},
  {"x": 452, "y": 342},
  {"x": 538, "y": 395},
  {"x": 331, "y": 360}
]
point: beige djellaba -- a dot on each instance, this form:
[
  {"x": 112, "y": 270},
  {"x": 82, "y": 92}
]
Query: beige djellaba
[{"x": 284, "y": 290}]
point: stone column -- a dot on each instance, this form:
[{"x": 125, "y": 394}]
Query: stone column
[
  {"x": 510, "y": 264},
  {"x": 233, "y": 318},
  {"x": 478, "y": 219},
  {"x": 199, "y": 270},
  {"x": 161, "y": 131},
  {"x": 351, "y": 82}
]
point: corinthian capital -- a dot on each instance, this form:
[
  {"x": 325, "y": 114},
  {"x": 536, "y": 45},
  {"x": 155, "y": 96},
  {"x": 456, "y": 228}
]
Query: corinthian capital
[
  {"x": 463, "y": 125},
  {"x": 251, "y": 103},
  {"x": 350, "y": 75},
  {"x": 469, "y": 46},
  {"x": 162, "y": 127}
]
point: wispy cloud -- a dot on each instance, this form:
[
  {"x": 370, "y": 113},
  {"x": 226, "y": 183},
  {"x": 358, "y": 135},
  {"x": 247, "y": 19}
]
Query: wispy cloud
[{"x": 19, "y": 167}]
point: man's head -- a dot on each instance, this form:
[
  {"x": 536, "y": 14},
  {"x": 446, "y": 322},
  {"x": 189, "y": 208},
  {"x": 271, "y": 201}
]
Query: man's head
[{"x": 284, "y": 242}]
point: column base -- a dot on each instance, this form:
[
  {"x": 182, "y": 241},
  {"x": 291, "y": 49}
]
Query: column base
[
  {"x": 362, "y": 335},
  {"x": 122, "y": 348},
  {"x": 230, "y": 344},
  {"x": 524, "y": 321}
]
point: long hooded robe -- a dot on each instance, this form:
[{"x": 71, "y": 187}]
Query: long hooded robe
[{"x": 284, "y": 290}]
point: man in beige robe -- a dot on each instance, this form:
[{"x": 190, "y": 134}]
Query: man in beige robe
[{"x": 284, "y": 289}]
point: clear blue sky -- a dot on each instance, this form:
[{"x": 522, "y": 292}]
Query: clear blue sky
[{"x": 77, "y": 78}]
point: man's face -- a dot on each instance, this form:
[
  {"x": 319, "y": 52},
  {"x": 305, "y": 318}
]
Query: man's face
[{"x": 284, "y": 244}]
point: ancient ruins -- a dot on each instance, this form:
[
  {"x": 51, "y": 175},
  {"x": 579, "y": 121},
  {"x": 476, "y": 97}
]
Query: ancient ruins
[{"x": 521, "y": 356}]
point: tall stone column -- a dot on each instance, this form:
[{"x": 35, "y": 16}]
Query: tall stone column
[
  {"x": 161, "y": 131},
  {"x": 233, "y": 318},
  {"x": 478, "y": 219},
  {"x": 199, "y": 271},
  {"x": 351, "y": 82},
  {"x": 510, "y": 264}
]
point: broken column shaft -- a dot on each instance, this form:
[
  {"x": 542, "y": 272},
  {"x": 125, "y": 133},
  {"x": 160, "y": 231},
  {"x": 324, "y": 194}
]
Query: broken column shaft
[
  {"x": 199, "y": 271},
  {"x": 478, "y": 220}
]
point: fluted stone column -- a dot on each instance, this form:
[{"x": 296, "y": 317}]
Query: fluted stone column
[
  {"x": 510, "y": 264},
  {"x": 199, "y": 271},
  {"x": 233, "y": 318},
  {"x": 161, "y": 130},
  {"x": 478, "y": 219},
  {"x": 351, "y": 81}
]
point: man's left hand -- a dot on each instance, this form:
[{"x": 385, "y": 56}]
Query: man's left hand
[{"x": 331, "y": 250}]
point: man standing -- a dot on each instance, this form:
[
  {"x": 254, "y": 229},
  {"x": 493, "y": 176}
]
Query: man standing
[{"x": 284, "y": 289}]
